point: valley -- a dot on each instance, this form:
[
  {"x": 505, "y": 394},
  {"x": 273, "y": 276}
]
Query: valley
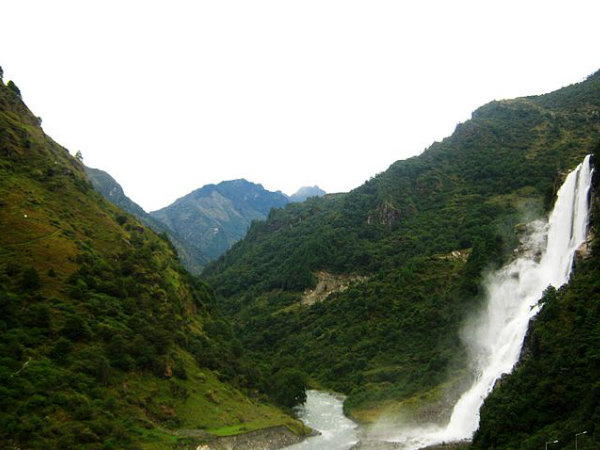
[{"x": 108, "y": 342}]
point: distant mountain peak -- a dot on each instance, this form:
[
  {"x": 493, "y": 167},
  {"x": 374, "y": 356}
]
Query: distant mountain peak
[
  {"x": 306, "y": 192},
  {"x": 215, "y": 216}
]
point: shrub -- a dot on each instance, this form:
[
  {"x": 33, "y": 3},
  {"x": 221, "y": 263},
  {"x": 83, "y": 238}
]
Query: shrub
[
  {"x": 76, "y": 329},
  {"x": 61, "y": 350},
  {"x": 30, "y": 280},
  {"x": 13, "y": 87},
  {"x": 288, "y": 387}
]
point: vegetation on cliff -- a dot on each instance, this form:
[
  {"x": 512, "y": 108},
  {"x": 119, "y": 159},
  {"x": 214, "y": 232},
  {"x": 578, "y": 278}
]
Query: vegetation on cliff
[{"x": 554, "y": 393}]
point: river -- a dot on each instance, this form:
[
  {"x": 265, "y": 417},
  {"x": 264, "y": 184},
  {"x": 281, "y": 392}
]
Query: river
[{"x": 324, "y": 412}]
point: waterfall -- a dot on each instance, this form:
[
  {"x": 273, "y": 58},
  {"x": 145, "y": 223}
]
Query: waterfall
[{"x": 513, "y": 292}]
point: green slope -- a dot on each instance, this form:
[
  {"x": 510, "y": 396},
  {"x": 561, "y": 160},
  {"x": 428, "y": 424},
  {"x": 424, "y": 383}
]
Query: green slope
[
  {"x": 105, "y": 341},
  {"x": 420, "y": 234}
]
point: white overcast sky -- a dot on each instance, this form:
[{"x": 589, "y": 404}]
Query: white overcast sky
[{"x": 170, "y": 95}]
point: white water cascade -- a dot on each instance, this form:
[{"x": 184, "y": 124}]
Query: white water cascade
[{"x": 513, "y": 292}]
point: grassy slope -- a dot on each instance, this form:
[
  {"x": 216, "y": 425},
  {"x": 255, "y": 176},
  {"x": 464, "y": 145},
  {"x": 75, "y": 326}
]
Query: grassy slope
[
  {"x": 105, "y": 342},
  {"x": 396, "y": 335}
]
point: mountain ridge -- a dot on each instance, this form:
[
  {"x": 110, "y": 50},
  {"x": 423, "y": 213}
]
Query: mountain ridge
[
  {"x": 212, "y": 218},
  {"x": 230, "y": 203},
  {"x": 104, "y": 183}
]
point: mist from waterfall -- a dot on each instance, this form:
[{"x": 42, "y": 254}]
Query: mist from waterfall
[{"x": 495, "y": 339}]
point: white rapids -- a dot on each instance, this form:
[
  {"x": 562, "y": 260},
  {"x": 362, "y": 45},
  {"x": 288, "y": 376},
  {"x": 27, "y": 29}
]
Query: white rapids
[{"x": 324, "y": 413}]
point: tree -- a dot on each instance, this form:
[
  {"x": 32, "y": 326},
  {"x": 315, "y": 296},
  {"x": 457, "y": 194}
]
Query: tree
[
  {"x": 76, "y": 329},
  {"x": 13, "y": 87},
  {"x": 79, "y": 156},
  {"x": 1, "y": 74},
  {"x": 30, "y": 280},
  {"x": 289, "y": 387}
]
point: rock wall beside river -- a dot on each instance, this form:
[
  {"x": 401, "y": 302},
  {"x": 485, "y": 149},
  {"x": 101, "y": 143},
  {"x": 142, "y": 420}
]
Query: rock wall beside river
[{"x": 265, "y": 439}]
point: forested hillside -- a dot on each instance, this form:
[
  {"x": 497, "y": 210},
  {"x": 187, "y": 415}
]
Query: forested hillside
[
  {"x": 105, "y": 341},
  {"x": 415, "y": 239}
]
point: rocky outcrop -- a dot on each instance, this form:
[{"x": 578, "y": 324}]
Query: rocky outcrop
[
  {"x": 585, "y": 249},
  {"x": 388, "y": 214},
  {"x": 455, "y": 255},
  {"x": 328, "y": 284},
  {"x": 374, "y": 444}
]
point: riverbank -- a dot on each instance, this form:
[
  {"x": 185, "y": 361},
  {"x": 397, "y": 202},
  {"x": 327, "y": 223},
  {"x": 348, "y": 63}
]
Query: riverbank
[
  {"x": 324, "y": 427},
  {"x": 264, "y": 439},
  {"x": 368, "y": 444}
]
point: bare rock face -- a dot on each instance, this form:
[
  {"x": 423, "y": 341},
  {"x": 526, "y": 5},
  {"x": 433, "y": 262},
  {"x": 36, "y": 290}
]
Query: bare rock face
[
  {"x": 585, "y": 250},
  {"x": 328, "y": 284},
  {"x": 455, "y": 255},
  {"x": 388, "y": 215},
  {"x": 266, "y": 439},
  {"x": 532, "y": 239}
]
